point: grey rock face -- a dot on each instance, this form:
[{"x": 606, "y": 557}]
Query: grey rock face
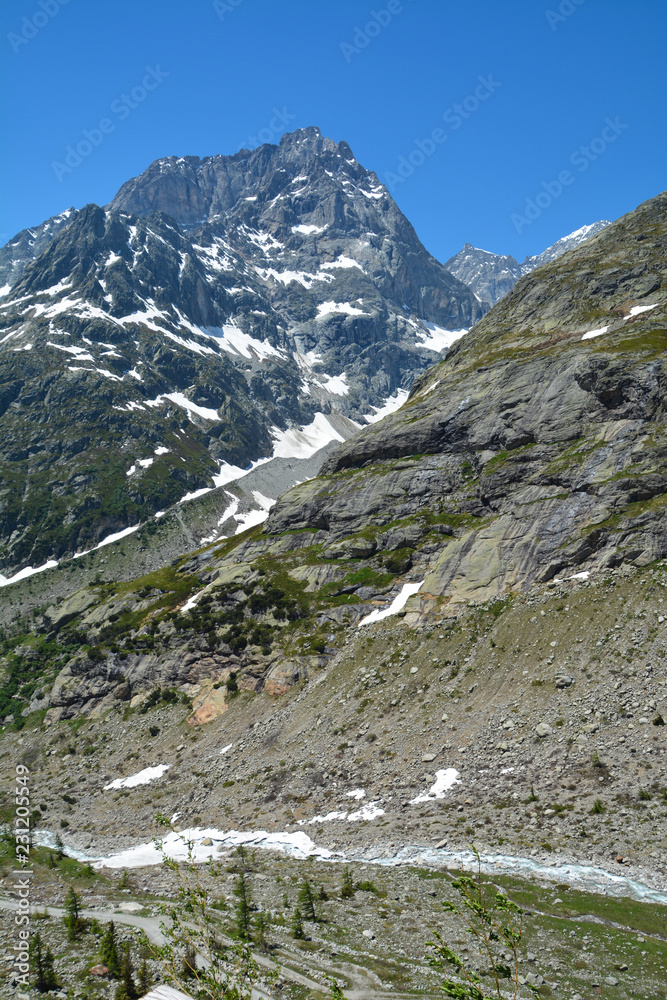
[
  {"x": 27, "y": 246},
  {"x": 491, "y": 276},
  {"x": 205, "y": 317},
  {"x": 545, "y": 452}
]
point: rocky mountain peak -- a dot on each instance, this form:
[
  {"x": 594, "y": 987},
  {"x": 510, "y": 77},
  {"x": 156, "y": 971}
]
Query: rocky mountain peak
[
  {"x": 492, "y": 275},
  {"x": 225, "y": 310}
]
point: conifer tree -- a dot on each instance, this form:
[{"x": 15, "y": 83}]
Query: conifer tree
[
  {"x": 297, "y": 925},
  {"x": 347, "y": 888},
  {"x": 109, "y": 950},
  {"x": 71, "y": 919},
  {"x": 242, "y": 908},
  {"x": 306, "y": 900},
  {"x": 42, "y": 963},
  {"x": 145, "y": 979},
  {"x": 127, "y": 989}
]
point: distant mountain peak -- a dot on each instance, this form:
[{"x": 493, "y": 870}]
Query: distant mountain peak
[{"x": 491, "y": 275}]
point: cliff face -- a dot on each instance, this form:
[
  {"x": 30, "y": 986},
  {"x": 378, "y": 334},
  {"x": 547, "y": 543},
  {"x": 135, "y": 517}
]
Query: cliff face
[{"x": 540, "y": 438}]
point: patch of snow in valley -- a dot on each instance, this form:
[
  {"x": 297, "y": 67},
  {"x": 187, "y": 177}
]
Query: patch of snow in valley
[
  {"x": 368, "y": 811},
  {"x": 161, "y": 450},
  {"x": 227, "y": 748},
  {"x": 230, "y": 511},
  {"x": 391, "y": 404},
  {"x": 115, "y": 537},
  {"x": 190, "y": 344},
  {"x": 637, "y": 310},
  {"x": 444, "y": 780},
  {"x": 234, "y": 341},
  {"x": 303, "y": 228},
  {"x": 305, "y": 441},
  {"x": 436, "y": 338},
  {"x": 140, "y": 778},
  {"x": 253, "y": 517},
  {"x": 337, "y": 384},
  {"x": 192, "y": 601},
  {"x": 196, "y": 493},
  {"x": 28, "y": 571},
  {"x": 357, "y": 793},
  {"x": 342, "y": 261},
  {"x": 595, "y": 333},
  {"x": 399, "y": 602},
  {"x": 230, "y": 473},
  {"x": 304, "y": 278},
  {"x": 297, "y": 844},
  {"x": 79, "y": 352},
  {"x": 182, "y": 400},
  {"x": 333, "y": 308}
]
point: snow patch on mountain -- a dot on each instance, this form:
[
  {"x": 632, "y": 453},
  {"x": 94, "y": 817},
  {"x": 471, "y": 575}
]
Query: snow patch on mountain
[
  {"x": 305, "y": 441},
  {"x": 392, "y": 403}
]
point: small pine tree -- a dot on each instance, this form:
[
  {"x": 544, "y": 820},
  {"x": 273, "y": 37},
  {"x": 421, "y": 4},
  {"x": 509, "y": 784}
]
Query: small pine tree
[
  {"x": 323, "y": 894},
  {"x": 297, "y": 925},
  {"x": 71, "y": 920},
  {"x": 260, "y": 930},
  {"x": 306, "y": 901},
  {"x": 145, "y": 979},
  {"x": 242, "y": 908},
  {"x": 109, "y": 950},
  {"x": 347, "y": 888},
  {"x": 127, "y": 989},
  {"x": 42, "y": 963}
]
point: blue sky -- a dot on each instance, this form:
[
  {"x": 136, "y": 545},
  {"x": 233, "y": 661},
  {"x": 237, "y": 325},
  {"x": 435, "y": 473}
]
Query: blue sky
[{"x": 546, "y": 89}]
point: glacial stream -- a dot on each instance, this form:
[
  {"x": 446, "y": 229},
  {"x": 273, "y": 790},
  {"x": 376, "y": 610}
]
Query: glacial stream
[{"x": 299, "y": 845}]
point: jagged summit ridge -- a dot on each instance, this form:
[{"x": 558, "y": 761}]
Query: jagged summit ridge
[{"x": 492, "y": 275}]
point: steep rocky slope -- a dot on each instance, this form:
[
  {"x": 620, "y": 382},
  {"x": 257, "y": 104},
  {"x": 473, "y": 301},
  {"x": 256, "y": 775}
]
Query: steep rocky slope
[
  {"x": 492, "y": 275},
  {"x": 27, "y": 246},
  {"x": 479, "y": 488},
  {"x": 540, "y": 438},
  {"x": 218, "y": 312},
  {"x": 288, "y": 690}
]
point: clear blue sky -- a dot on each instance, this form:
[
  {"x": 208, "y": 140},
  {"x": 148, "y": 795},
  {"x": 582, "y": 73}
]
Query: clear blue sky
[{"x": 555, "y": 79}]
